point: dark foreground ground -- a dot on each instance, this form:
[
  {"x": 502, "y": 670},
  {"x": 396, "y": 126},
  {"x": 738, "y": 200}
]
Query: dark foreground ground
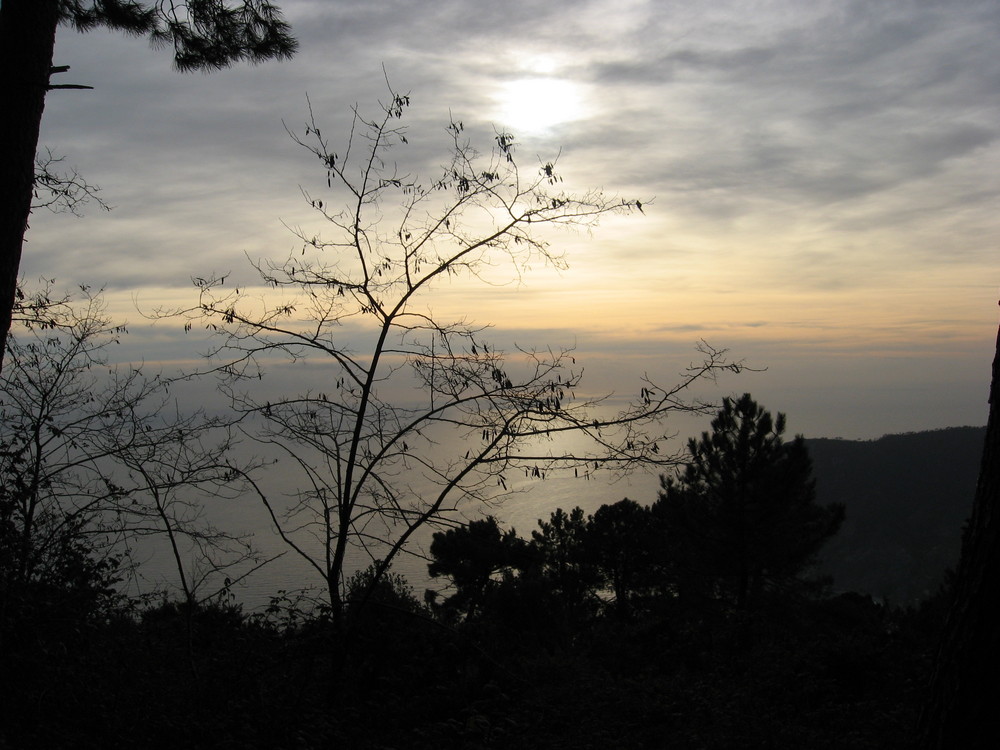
[{"x": 838, "y": 673}]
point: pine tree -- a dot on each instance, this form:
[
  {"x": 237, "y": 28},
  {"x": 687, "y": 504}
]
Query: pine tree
[
  {"x": 474, "y": 556},
  {"x": 564, "y": 562},
  {"x": 742, "y": 516}
]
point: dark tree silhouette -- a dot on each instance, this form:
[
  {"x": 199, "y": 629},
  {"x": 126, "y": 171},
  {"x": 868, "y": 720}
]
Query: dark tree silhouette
[
  {"x": 564, "y": 564},
  {"x": 964, "y": 694},
  {"x": 620, "y": 543},
  {"x": 205, "y": 35},
  {"x": 473, "y": 556},
  {"x": 742, "y": 515}
]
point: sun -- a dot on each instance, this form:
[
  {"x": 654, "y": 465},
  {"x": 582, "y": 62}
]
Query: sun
[{"x": 535, "y": 105}]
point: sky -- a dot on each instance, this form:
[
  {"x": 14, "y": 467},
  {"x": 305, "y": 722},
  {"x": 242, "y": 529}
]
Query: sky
[{"x": 820, "y": 182}]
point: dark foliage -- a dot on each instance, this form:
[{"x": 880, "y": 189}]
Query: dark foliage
[
  {"x": 622, "y": 541},
  {"x": 741, "y": 519},
  {"x": 204, "y": 35},
  {"x": 841, "y": 673},
  {"x": 534, "y": 648},
  {"x": 50, "y": 595},
  {"x": 477, "y": 557},
  {"x": 565, "y": 566}
]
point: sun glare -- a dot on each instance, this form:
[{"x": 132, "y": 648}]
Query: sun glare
[{"x": 534, "y": 105}]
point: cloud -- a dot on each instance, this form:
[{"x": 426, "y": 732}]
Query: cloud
[{"x": 825, "y": 169}]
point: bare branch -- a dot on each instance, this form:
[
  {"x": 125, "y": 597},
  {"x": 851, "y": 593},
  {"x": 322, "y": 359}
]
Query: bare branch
[
  {"x": 62, "y": 190},
  {"x": 100, "y": 452}
]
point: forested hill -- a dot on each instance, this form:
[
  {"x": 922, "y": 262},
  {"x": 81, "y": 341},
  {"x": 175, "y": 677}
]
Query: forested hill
[{"x": 907, "y": 497}]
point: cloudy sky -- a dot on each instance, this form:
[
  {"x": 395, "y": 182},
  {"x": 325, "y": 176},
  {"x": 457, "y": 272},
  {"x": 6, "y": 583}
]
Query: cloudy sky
[{"x": 822, "y": 179}]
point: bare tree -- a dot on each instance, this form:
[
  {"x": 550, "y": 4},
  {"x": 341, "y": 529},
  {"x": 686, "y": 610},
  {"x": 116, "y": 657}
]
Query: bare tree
[
  {"x": 418, "y": 416},
  {"x": 94, "y": 456}
]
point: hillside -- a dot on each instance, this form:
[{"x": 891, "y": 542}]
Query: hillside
[{"x": 907, "y": 497}]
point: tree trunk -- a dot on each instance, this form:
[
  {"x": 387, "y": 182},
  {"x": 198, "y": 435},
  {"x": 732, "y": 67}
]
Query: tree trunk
[
  {"x": 965, "y": 691},
  {"x": 27, "y": 41}
]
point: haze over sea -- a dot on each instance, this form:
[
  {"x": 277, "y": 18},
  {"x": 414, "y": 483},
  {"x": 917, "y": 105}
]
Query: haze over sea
[{"x": 534, "y": 499}]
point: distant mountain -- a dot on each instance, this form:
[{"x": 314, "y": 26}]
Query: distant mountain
[{"x": 907, "y": 498}]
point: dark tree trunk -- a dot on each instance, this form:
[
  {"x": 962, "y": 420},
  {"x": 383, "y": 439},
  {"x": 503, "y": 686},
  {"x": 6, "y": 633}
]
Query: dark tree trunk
[
  {"x": 27, "y": 40},
  {"x": 965, "y": 691}
]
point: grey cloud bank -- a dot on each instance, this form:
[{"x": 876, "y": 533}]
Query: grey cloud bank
[{"x": 830, "y": 163}]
